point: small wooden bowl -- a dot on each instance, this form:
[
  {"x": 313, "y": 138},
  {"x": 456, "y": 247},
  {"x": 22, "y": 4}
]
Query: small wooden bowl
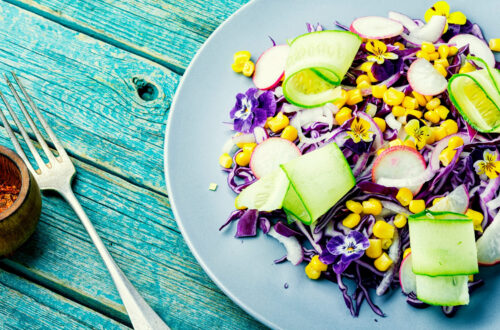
[{"x": 18, "y": 222}]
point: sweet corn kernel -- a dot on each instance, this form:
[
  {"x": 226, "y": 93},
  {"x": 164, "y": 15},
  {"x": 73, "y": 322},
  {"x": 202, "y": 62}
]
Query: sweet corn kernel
[
  {"x": 312, "y": 273},
  {"x": 436, "y": 200},
  {"x": 266, "y": 125},
  {"x": 444, "y": 51},
  {"x": 351, "y": 220},
  {"x": 433, "y": 56},
  {"x": 410, "y": 143},
  {"x": 417, "y": 205},
  {"x": 383, "y": 262},
  {"x": 380, "y": 123},
  {"x": 406, "y": 252},
  {"x": 410, "y": 102},
  {"x": 366, "y": 66},
  {"x": 432, "y": 116},
  {"x": 477, "y": 217},
  {"x": 399, "y": 45},
  {"x": 290, "y": 133},
  {"x": 428, "y": 97},
  {"x": 237, "y": 206},
  {"x": 249, "y": 147},
  {"x": 379, "y": 151},
  {"x": 382, "y": 229},
  {"x": 243, "y": 158},
  {"x": 428, "y": 47},
  {"x": 420, "y": 99},
  {"x": 441, "y": 69},
  {"x": 442, "y": 112},
  {"x": 318, "y": 264},
  {"x": 363, "y": 77},
  {"x": 400, "y": 220},
  {"x": 364, "y": 85},
  {"x": 375, "y": 249},
  {"x": 279, "y": 122},
  {"x": 398, "y": 111},
  {"x": 453, "y": 51},
  {"x": 439, "y": 133},
  {"x": 415, "y": 113},
  {"x": 432, "y": 138},
  {"x": 354, "y": 206},
  {"x": 343, "y": 115},
  {"x": 396, "y": 142},
  {"x": 495, "y": 44},
  {"x": 467, "y": 67},
  {"x": 354, "y": 96},
  {"x": 239, "y": 60},
  {"x": 443, "y": 61},
  {"x": 471, "y": 278},
  {"x": 225, "y": 160},
  {"x": 386, "y": 243},
  {"x": 455, "y": 142},
  {"x": 393, "y": 97},
  {"x": 404, "y": 196},
  {"x": 450, "y": 126},
  {"x": 248, "y": 68},
  {"x": 422, "y": 54},
  {"x": 340, "y": 102},
  {"x": 372, "y": 206},
  {"x": 378, "y": 91},
  {"x": 433, "y": 104}
]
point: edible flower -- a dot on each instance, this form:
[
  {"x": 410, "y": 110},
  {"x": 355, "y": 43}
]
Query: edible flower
[
  {"x": 252, "y": 110},
  {"x": 489, "y": 166},
  {"x": 379, "y": 51},
  {"x": 442, "y": 8},
  {"x": 342, "y": 250},
  {"x": 420, "y": 134},
  {"x": 360, "y": 130}
]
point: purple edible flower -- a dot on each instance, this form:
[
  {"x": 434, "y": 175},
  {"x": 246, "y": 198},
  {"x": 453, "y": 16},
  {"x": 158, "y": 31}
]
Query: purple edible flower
[
  {"x": 342, "y": 250},
  {"x": 252, "y": 109}
]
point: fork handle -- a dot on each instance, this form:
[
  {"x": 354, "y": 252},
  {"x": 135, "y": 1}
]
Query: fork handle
[{"x": 140, "y": 313}]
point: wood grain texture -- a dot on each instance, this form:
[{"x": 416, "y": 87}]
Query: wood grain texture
[
  {"x": 25, "y": 305},
  {"x": 167, "y": 31}
]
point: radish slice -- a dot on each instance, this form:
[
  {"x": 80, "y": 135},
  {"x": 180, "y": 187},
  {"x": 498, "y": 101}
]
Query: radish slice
[
  {"x": 376, "y": 27},
  {"x": 477, "y": 47},
  {"x": 488, "y": 245},
  {"x": 268, "y": 155},
  {"x": 432, "y": 31},
  {"x": 407, "y": 278},
  {"x": 399, "y": 162},
  {"x": 270, "y": 67},
  {"x": 407, "y": 22},
  {"x": 260, "y": 134},
  {"x": 294, "y": 252},
  {"x": 425, "y": 79},
  {"x": 457, "y": 201},
  {"x": 243, "y": 138}
]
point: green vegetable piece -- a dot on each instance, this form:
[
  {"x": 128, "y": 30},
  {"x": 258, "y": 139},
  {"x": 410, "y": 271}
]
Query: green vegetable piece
[{"x": 443, "y": 290}]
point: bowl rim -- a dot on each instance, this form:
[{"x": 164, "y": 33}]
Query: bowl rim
[{"x": 25, "y": 181}]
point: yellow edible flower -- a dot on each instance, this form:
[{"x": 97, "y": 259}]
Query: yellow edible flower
[
  {"x": 379, "y": 51},
  {"x": 442, "y": 8},
  {"x": 420, "y": 134},
  {"x": 489, "y": 166},
  {"x": 360, "y": 130}
]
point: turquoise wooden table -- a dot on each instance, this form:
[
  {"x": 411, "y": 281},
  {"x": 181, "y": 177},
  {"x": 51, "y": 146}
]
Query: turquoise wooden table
[{"x": 104, "y": 73}]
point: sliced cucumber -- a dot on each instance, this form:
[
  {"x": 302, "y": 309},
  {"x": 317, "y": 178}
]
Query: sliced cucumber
[
  {"x": 319, "y": 179},
  {"x": 266, "y": 194},
  {"x": 443, "y": 290},
  {"x": 442, "y": 243},
  {"x": 476, "y": 95},
  {"x": 316, "y": 64}
]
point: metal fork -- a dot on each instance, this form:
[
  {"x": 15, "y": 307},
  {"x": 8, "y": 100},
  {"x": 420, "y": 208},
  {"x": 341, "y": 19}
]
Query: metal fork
[{"x": 57, "y": 175}]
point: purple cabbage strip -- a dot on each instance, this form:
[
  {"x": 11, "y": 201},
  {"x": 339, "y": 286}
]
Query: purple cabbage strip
[
  {"x": 374, "y": 307},
  {"x": 236, "y": 214},
  {"x": 264, "y": 224},
  {"x": 340, "y": 25},
  {"x": 284, "y": 230},
  {"x": 347, "y": 298},
  {"x": 247, "y": 225}
]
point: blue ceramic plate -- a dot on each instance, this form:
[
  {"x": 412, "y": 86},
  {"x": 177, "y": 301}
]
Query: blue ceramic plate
[{"x": 243, "y": 268}]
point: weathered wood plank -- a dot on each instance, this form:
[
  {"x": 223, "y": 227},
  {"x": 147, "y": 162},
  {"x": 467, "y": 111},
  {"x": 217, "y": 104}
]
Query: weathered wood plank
[
  {"x": 167, "y": 31},
  {"x": 25, "y": 305},
  {"x": 140, "y": 232},
  {"x": 89, "y": 92}
]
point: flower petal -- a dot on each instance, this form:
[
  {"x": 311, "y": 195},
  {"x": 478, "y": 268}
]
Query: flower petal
[
  {"x": 489, "y": 156},
  {"x": 390, "y": 56},
  {"x": 442, "y": 8},
  {"x": 267, "y": 102},
  {"x": 412, "y": 127},
  {"x": 380, "y": 59},
  {"x": 457, "y": 18},
  {"x": 380, "y": 47},
  {"x": 370, "y": 47},
  {"x": 429, "y": 13},
  {"x": 372, "y": 58},
  {"x": 327, "y": 258},
  {"x": 336, "y": 245},
  {"x": 354, "y": 136},
  {"x": 339, "y": 267},
  {"x": 360, "y": 239}
]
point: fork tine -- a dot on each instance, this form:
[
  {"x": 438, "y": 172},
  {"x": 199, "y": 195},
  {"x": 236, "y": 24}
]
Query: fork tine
[
  {"x": 14, "y": 139},
  {"x": 27, "y": 139},
  {"x": 35, "y": 130},
  {"x": 59, "y": 147}
]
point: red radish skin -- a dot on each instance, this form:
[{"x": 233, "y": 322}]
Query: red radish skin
[
  {"x": 410, "y": 152},
  {"x": 425, "y": 79},
  {"x": 268, "y": 155},
  {"x": 376, "y": 27},
  {"x": 406, "y": 21},
  {"x": 477, "y": 47},
  {"x": 404, "y": 264},
  {"x": 270, "y": 67}
]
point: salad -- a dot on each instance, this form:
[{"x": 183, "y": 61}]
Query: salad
[{"x": 371, "y": 153}]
